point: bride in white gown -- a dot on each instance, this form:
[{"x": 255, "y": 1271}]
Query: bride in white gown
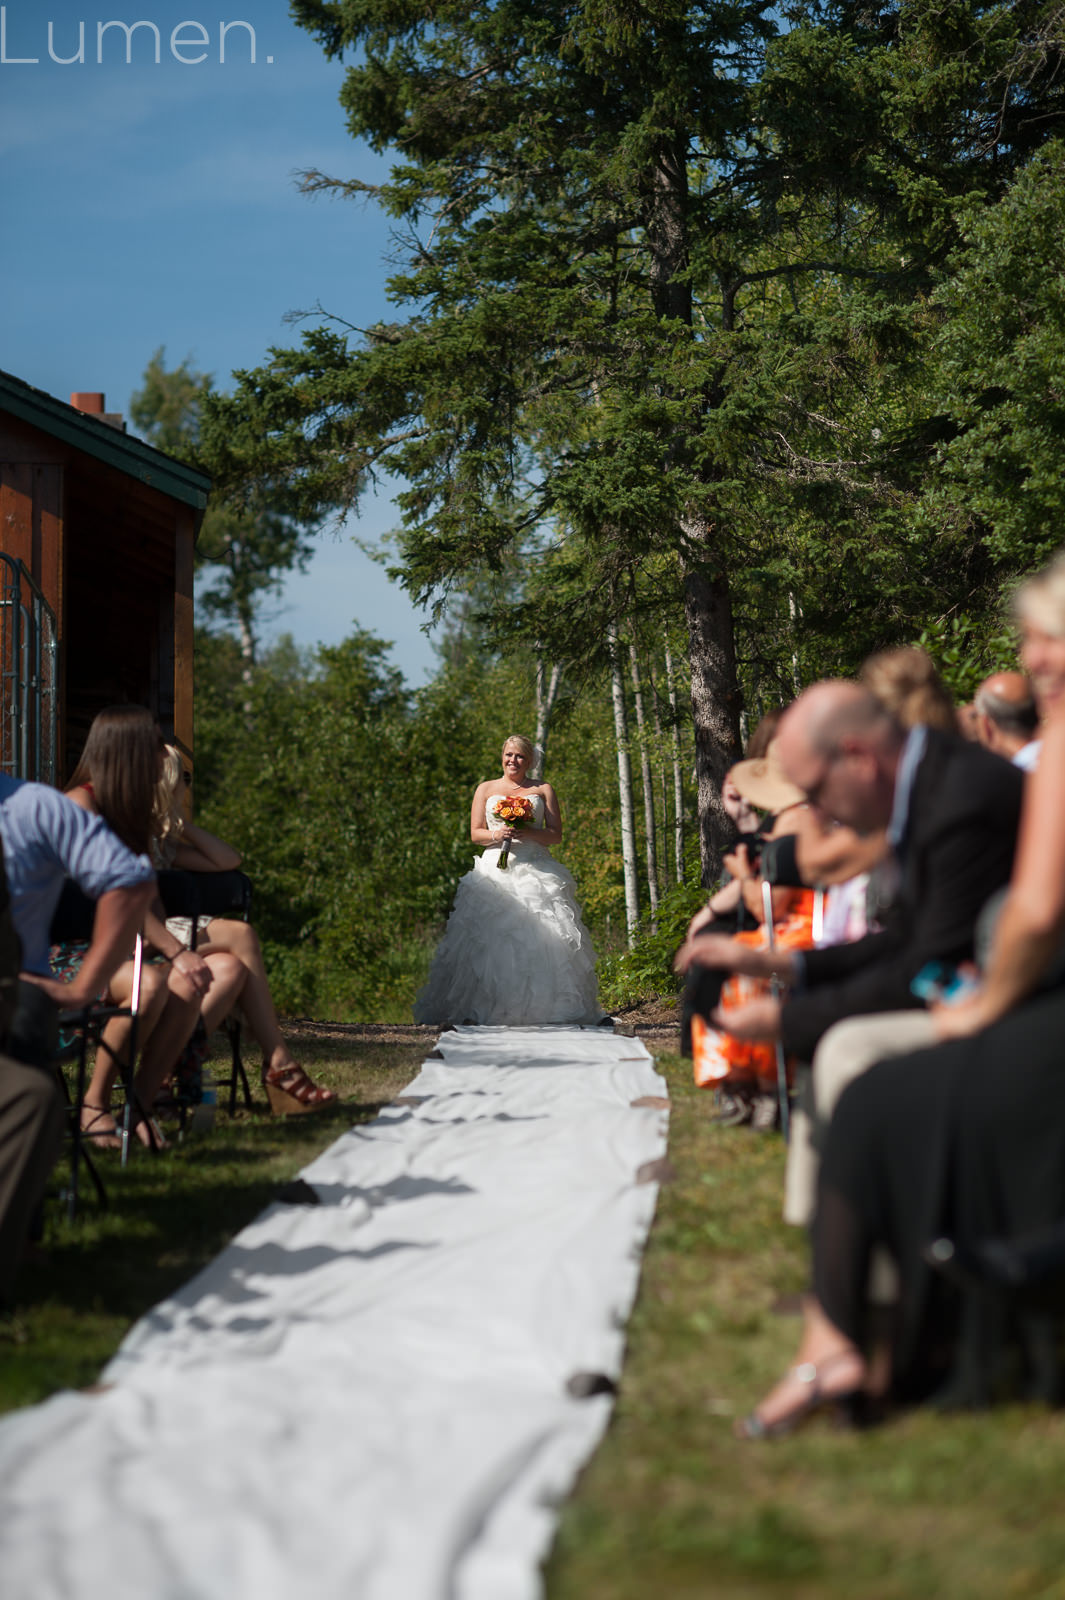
[{"x": 515, "y": 950}]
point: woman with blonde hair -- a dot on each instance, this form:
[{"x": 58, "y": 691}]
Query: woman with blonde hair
[
  {"x": 179, "y": 843},
  {"x": 907, "y": 683}
]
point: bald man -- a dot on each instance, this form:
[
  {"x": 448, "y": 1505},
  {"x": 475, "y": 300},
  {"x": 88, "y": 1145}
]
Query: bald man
[{"x": 1007, "y": 718}]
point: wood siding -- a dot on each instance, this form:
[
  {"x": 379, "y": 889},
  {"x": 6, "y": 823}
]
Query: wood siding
[{"x": 113, "y": 557}]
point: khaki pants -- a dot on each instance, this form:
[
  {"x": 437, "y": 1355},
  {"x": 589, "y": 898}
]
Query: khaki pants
[{"x": 845, "y": 1052}]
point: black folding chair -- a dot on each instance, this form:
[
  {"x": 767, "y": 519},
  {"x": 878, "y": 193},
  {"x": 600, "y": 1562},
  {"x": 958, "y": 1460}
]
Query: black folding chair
[
  {"x": 213, "y": 894},
  {"x": 83, "y": 1027}
]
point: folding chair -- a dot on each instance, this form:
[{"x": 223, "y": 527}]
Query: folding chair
[
  {"x": 783, "y": 1093},
  {"x": 84, "y": 1026},
  {"x": 214, "y": 894}
]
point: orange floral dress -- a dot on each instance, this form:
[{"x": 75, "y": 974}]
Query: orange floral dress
[{"x": 718, "y": 1058}]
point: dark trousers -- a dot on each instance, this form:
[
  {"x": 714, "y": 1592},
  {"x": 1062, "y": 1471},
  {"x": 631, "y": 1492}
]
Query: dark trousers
[
  {"x": 702, "y": 985},
  {"x": 701, "y": 993},
  {"x": 31, "y": 1129}
]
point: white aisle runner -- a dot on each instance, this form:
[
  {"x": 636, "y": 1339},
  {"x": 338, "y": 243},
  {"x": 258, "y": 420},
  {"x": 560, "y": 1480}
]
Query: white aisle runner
[{"x": 367, "y": 1399}]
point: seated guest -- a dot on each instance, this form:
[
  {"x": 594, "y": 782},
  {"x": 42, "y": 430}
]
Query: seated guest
[
  {"x": 950, "y": 810},
  {"x": 1007, "y": 718},
  {"x": 745, "y": 1072},
  {"x": 115, "y": 779},
  {"x": 725, "y": 909},
  {"x": 179, "y": 843},
  {"x": 44, "y": 840},
  {"x": 764, "y": 734},
  {"x": 964, "y": 1140}
]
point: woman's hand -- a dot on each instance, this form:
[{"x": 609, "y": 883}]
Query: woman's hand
[
  {"x": 755, "y": 1020},
  {"x": 738, "y": 863},
  {"x": 700, "y": 920},
  {"x": 726, "y": 899},
  {"x": 963, "y": 1018},
  {"x": 194, "y": 969},
  {"x": 709, "y": 950}
]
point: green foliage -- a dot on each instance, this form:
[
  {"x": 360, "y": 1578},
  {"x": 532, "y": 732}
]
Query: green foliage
[
  {"x": 739, "y": 324},
  {"x": 965, "y": 654},
  {"x": 646, "y": 971},
  {"x": 336, "y": 790},
  {"x": 1000, "y": 371},
  {"x": 675, "y": 282}
]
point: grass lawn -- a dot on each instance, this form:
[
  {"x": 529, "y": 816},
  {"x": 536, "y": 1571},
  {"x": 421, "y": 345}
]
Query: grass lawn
[
  {"x": 671, "y": 1506},
  {"x": 171, "y": 1214}
]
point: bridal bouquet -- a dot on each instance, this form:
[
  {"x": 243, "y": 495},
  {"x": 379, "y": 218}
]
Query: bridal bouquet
[{"x": 516, "y": 810}]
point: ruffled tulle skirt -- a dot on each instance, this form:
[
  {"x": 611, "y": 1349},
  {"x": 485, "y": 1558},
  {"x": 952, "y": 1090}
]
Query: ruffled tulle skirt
[{"x": 515, "y": 951}]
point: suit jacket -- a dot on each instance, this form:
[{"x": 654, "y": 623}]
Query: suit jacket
[{"x": 957, "y": 850}]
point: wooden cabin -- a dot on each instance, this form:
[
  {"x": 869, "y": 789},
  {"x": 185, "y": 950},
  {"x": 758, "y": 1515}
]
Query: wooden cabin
[{"x": 97, "y": 533}]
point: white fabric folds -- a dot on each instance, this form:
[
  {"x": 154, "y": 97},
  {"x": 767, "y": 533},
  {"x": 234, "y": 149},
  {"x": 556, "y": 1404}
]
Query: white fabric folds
[
  {"x": 368, "y": 1398},
  {"x": 515, "y": 949}
]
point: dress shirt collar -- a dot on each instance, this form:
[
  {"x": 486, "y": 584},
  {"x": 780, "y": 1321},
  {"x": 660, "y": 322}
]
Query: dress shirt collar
[{"x": 909, "y": 761}]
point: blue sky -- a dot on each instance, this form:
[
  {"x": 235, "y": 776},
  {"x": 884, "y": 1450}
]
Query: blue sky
[{"x": 155, "y": 204}]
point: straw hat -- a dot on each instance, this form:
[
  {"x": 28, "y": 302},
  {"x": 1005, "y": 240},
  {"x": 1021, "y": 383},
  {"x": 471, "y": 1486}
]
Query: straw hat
[{"x": 763, "y": 783}]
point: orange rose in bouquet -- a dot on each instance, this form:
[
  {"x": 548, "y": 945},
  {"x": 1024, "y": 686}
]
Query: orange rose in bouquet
[{"x": 517, "y": 811}]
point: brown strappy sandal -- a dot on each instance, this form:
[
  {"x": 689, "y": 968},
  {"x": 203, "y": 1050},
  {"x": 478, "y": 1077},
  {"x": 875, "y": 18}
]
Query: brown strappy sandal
[{"x": 292, "y": 1093}]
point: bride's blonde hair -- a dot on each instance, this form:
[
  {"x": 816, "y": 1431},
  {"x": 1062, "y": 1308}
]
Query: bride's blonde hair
[
  {"x": 526, "y": 746},
  {"x": 532, "y": 753}
]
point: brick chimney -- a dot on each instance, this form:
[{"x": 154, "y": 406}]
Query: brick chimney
[{"x": 92, "y": 404}]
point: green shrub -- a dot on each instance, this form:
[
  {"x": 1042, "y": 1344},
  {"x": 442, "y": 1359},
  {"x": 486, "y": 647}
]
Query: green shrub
[{"x": 646, "y": 971}]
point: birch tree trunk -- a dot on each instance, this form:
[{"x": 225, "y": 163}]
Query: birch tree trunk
[
  {"x": 248, "y": 643},
  {"x": 678, "y": 775},
  {"x": 650, "y": 830},
  {"x": 628, "y": 821},
  {"x": 546, "y": 693},
  {"x": 795, "y": 617},
  {"x": 663, "y": 801}
]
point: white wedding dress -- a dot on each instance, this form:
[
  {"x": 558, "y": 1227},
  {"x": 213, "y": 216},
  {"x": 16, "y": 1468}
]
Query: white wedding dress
[{"x": 515, "y": 951}]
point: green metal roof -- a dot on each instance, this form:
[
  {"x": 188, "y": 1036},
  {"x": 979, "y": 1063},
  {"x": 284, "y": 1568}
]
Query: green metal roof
[{"x": 106, "y": 443}]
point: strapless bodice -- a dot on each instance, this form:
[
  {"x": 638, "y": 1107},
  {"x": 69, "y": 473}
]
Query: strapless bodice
[{"x": 491, "y": 820}]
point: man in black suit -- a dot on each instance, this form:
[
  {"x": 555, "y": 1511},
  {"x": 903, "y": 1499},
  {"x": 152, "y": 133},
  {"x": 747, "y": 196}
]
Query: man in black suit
[{"x": 951, "y": 810}]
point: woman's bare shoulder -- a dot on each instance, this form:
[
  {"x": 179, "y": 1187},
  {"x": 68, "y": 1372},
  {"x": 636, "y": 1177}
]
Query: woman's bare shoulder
[{"x": 81, "y": 797}]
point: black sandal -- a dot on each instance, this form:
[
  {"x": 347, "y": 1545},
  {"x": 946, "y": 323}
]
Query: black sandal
[{"x": 100, "y": 1138}]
